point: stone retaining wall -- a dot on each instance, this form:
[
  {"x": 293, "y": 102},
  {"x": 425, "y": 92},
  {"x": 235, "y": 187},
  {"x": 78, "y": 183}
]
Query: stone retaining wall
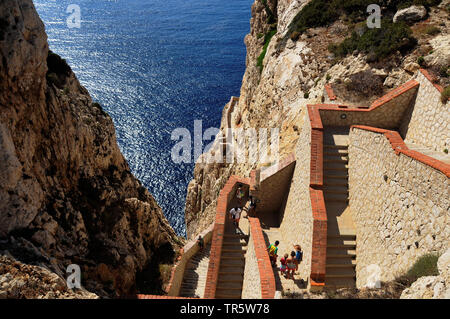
[
  {"x": 189, "y": 250},
  {"x": 259, "y": 279},
  {"x": 428, "y": 122},
  {"x": 399, "y": 201},
  {"x": 252, "y": 282},
  {"x": 297, "y": 219}
]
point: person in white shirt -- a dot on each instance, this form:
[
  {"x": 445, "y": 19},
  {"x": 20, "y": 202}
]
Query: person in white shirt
[{"x": 235, "y": 214}]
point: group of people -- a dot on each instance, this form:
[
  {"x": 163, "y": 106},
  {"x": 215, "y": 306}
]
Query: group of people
[{"x": 289, "y": 264}]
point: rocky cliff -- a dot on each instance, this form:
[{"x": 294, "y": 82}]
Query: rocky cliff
[
  {"x": 292, "y": 55},
  {"x": 66, "y": 192}
]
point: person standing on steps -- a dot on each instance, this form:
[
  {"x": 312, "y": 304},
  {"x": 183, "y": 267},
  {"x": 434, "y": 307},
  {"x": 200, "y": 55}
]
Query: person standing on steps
[
  {"x": 252, "y": 208},
  {"x": 291, "y": 265},
  {"x": 235, "y": 215},
  {"x": 273, "y": 253},
  {"x": 240, "y": 194},
  {"x": 298, "y": 255},
  {"x": 283, "y": 267},
  {"x": 200, "y": 243}
]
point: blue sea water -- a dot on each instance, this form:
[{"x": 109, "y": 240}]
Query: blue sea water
[{"x": 155, "y": 65}]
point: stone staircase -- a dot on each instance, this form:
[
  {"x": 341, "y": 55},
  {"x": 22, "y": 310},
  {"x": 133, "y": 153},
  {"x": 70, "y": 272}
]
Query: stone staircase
[
  {"x": 232, "y": 264},
  {"x": 194, "y": 279},
  {"x": 341, "y": 238}
]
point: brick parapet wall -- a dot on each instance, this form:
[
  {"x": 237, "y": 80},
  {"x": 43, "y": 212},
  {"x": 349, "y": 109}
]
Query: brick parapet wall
[
  {"x": 330, "y": 92},
  {"x": 266, "y": 275},
  {"x": 225, "y": 196}
]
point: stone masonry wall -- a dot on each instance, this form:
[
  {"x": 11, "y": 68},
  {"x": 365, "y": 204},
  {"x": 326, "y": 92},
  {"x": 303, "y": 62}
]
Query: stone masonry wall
[
  {"x": 252, "y": 282},
  {"x": 274, "y": 187},
  {"x": 428, "y": 122},
  {"x": 400, "y": 206},
  {"x": 189, "y": 250},
  {"x": 297, "y": 220}
]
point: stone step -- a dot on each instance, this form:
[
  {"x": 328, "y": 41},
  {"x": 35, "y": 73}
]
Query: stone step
[
  {"x": 227, "y": 296},
  {"x": 336, "y": 189},
  {"x": 332, "y": 160},
  {"x": 336, "y": 152},
  {"x": 340, "y": 266},
  {"x": 330, "y": 177},
  {"x": 341, "y": 260},
  {"x": 342, "y": 246},
  {"x": 336, "y": 168},
  {"x": 333, "y": 276},
  {"x": 231, "y": 276},
  {"x": 337, "y": 283},
  {"x": 335, "y": 147},
  {"x": 238, "y": 257},
  {"x": 230, "y": 284},
  {"x": 235, "y": 236}
]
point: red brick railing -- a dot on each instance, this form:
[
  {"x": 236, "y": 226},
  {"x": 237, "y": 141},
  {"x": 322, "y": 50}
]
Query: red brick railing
[
  {"x": 225, "y": 196},
  {"x": 399, "y": 147},
  {"x": 266, "y": 275},
  {"x": 319, "y": 240},
  {"x": 330, "y": 92}
]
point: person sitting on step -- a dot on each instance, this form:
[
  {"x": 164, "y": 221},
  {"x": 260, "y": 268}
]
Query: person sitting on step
[{"x": 240, "y": 194}]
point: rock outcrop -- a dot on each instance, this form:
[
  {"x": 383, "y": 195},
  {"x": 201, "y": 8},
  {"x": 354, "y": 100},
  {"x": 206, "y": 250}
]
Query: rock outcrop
[
  {"x": 411, "y": 14},
  {"x": 67, "y": 195},
  {"x": 432, "y": 287}
]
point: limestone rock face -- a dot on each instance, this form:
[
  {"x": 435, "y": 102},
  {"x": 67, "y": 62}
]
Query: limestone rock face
[
  {"x": 66, "y": 192},
  {"x": 411, "y": 14},
  {"x": 432, "y": 287}
]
